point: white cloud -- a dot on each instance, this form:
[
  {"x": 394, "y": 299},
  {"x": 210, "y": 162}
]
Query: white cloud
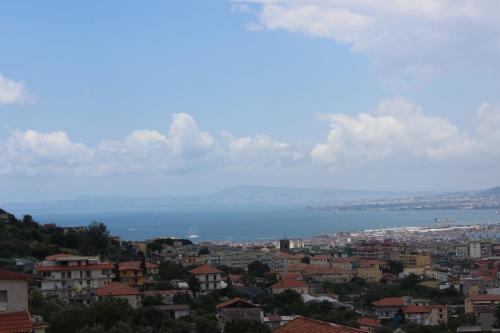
[
  {"x": 398, "y": 36},
  {"x": 260, "y": 151},
  {"x": 13, "y": 92},
  {"x": 32, "y": 152},
  {"x": 400, "y": 128},
  {"x": 184, "y": 148}
]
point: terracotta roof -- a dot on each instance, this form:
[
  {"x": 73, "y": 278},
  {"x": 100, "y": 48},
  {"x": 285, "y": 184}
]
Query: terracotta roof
[
  {"x": 370, "y": 322},
  {"x": 416, "y": 309},
  {"x": 290, "y": 255},
  {"x": 58, "y": 255},
  {"x": 485, "y": 297},
  {"x": 345, "y": 259},
  {"x": 48, "y": 268},
  {"x": 233, "y": 301},
  {"x": 306, "y": 325},
  {"x": 135, "y": 265},
  {"x": 116, "y": 289},
  {"x": 288, "y": 283},
  {"x": 15, "y": 322},
  {"x": 8, "y": 275},
  {"x": 234, "y": 277},
  {"x": 205, "y": 269},
  {"x": 390, "y": 301},
  {"x": 291, "y": 276}
]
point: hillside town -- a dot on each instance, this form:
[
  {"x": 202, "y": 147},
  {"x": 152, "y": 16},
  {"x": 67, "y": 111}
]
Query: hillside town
[{"x": 444, "y": 279}]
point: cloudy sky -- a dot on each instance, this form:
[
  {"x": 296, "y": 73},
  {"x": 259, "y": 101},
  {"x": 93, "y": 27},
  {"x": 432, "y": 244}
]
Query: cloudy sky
[{"x": 179, "y": 97}]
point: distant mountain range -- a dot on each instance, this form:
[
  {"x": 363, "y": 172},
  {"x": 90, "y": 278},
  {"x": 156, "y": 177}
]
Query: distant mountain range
[
  {"x": 328, "y": 199},
  {"x": 238, "y": 195},
  {"x": 483, "y": 199}
]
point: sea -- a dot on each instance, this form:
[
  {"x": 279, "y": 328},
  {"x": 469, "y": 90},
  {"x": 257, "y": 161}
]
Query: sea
[{"x": 256, "y": 223}]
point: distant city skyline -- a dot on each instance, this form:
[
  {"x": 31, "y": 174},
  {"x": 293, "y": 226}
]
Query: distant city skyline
[{"x": 190, "y": 97}]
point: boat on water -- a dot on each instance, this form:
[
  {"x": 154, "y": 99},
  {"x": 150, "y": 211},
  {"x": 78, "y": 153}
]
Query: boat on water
[
  {"x": 443, "y": 220},
  {"x": 193, "y": 232}
]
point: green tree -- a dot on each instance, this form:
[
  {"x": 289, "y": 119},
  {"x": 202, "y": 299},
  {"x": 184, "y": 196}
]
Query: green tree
[
  {"x": 194, "y": 284},
  {"x": 257, "y": 268},
  {"x": 246, "y": 326}
]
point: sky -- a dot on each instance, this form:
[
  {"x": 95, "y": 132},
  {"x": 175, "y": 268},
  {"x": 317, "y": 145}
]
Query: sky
[{"x": 194, "y": 96}]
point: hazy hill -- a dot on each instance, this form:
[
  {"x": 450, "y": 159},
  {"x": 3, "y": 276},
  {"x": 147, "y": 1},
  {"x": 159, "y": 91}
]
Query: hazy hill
[{"x": 239, "y": 195}]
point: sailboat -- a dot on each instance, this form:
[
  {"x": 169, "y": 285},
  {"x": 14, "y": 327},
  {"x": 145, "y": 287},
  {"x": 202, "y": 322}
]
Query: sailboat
[{"x": 193, "y": 232}]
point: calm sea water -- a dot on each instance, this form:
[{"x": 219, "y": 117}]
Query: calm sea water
[{"x": 256, "y": 223}]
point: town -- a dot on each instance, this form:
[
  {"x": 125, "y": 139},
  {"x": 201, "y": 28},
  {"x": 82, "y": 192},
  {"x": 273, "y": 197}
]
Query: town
[{"x": 82, "y": 279}]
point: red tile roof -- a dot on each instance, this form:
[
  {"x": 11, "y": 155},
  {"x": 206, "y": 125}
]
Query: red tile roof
[
  {"x": 135, "y": 265},
  {"x": 369, "y": 322},
  {"x": 233, "y": 301},
  {"x": 306, "y": 325},
  {"x": 205, "y": 269},
  {"x": 48, "y": 268},
  {"x": 8, "y": 275},
  {"x": 56, "y": 256},
  {"x": 485, "y": 297},
  {"x": 288, "y": 283},
  {"x": 416, "y": 309},
  {"x": 390, "y": 301},
  {"x": 345, "y": 259},
  {"x": 15, "y": 322},
  {"x": 116, "y": 289}
]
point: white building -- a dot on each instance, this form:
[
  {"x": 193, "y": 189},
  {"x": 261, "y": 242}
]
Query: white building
[
  {"x": 209, "y": 277},
  {"x": 74, "y": 278}
]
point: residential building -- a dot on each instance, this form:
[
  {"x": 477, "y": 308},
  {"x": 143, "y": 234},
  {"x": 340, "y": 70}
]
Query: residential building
[
  {"x": 14, "y": 315},
  {"x": 132, "y": 273},
  {"x": 345, "y": 263},
  {"x": 209, "y": 277},
  {"x": 288, "y": 244},
  {"x": 483, "y": 307},
  {"x": 306, "y": 325},
  {"x": 369, "y": 270},
  {"x": 289, "y": 284},
  {"x": 238, "y": 308},
  {"x": 320, "y": 260},
  {"x": 21, "y": 322},
  {"x": 240, "y": 258},
  {"x": 439, "y": 314},
  {"x": 175, "y": 311},
  {"x": 167, "y": 296},
  {"x": 121, "y": 291},
  {"x": 415, "y": 260},
  {"x": 417, "y": 314},
  {"x": 74, "y": 278},
  {"x": 389, "y": 307},
  {"x": 368, "y": 324},
  {"x": 478, "y": 249},
  {"x": 318, "y": 273},
  {"x": 13, "y": 291}
]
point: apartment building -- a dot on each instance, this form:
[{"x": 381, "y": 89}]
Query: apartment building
[
  {"x": 14, "y": 314},
  {"x": 209, "y": 277},
  {"x": 132, "y": 273},
  {"x": 241, "y": 258},
  {"x": 370, "y": 270},
  {"x": 74, "y": 278}
]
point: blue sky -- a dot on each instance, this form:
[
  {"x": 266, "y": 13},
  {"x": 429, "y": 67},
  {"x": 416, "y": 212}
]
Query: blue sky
[{"x": 171, "y": 97}]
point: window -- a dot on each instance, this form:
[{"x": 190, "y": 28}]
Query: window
[
  {"x": 3, "y": 296},
  {"x": 88, "y": 274}
]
